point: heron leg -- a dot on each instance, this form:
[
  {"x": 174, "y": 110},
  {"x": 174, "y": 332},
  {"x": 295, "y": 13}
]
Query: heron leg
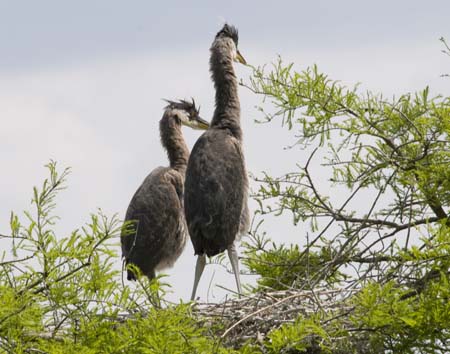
[
  {"x": 201, "y": 262},
  {"x": 233, "y": 255}
]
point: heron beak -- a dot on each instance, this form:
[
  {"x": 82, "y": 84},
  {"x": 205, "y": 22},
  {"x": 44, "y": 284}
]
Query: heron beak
[
  {"x": 202, "y": 124},
  {"x": 240, "y": 58}
]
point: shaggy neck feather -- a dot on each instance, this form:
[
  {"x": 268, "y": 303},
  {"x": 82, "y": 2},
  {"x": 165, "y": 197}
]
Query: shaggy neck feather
[
  {"x": 173, "y": 141},
  {"x": 227, "y": 112}
]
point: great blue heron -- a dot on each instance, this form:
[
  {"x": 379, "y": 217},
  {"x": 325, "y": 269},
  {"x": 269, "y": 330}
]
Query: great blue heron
[
  {"x": 216, "y": 183},
  {"x": 158, "y": 233}
]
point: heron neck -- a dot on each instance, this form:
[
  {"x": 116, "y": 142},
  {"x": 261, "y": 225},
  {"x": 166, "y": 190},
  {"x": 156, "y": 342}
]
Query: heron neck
[
  {"x": 173, "y": 142},
  {"x": 227, "y": 114}
]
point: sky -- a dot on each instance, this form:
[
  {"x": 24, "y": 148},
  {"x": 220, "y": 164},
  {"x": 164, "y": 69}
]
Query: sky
[{"x": 81, "y": 83}]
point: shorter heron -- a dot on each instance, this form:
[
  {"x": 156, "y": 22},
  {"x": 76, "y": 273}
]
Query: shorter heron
[{"x": 157, "y": 233}]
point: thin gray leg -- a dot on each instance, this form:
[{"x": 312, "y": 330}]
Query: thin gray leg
[
  {"x": 233, "y": 255},
  {"x": 201, "y": 262}
]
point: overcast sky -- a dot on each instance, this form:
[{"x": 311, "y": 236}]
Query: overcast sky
[{"x": 81, "y": 82}]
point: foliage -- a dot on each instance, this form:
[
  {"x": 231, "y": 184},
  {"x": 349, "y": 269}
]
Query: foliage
[
  {"x": 406, "y": 324},
  {"x": 171, "y": 330},
  {"x": 298, "y": 337},
  {"x": 373, "y": 195},
  {"x": 282, "y": 267},
  {"x": 62, "y": 294},
  {"x": 408, "y": 319}
]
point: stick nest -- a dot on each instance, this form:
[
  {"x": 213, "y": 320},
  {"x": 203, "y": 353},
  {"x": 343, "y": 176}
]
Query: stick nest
[{"x": 252, "y": 317}]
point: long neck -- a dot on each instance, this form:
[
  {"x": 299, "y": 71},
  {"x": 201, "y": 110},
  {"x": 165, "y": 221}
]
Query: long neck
[
  {"x": 173, "y": 141},
  {"x": 228, "y": 111}
]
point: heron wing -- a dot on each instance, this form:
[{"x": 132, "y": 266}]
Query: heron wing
[
  {"x": 155, "y": 213},
  {"x": 214, "y": 191}
]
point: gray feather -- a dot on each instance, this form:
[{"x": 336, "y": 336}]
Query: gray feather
[
  {"x": 158, "y": 233},
  {"x": 216, "y": 179}
]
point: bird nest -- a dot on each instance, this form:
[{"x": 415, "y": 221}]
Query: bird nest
[{"x": 252, "y": 317}]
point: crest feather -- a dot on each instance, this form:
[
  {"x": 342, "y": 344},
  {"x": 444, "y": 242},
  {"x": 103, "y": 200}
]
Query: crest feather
[
  {"x": 182, "y": 105},
  {"x": 230, "y": 32}
]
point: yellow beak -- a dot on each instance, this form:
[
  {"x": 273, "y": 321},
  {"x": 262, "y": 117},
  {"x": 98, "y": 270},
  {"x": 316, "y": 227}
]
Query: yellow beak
[
  {"x": 240, "y": 58},
  {"x": 202, "y": 124}
]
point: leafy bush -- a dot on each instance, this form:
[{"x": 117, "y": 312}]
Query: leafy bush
[
  {"x": 62, "y": 294},
  {"x": 282, "y": 267},
  {"x": 382, "y": 236}
]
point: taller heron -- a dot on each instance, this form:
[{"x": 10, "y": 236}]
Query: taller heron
[
  {"x": 216, "y": 178},
  {"x": 158, "y": 228}
]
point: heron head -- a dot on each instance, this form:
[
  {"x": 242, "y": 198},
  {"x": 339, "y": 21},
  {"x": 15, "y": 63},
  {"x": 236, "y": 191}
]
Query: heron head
[
  {"x": 187, "y": 114},
  {"x": 229, "y": 35}
]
